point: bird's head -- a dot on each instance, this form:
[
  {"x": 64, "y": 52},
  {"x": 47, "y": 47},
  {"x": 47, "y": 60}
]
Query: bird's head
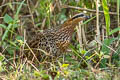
[
  {"x": 80, "y": 16},
  {"x": 75, "y": 19}
]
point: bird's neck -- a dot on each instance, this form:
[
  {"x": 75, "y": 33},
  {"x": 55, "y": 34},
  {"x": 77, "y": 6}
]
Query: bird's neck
[
  {"x": 65, "y": 33},
  {"x": 67, "y": 28}
]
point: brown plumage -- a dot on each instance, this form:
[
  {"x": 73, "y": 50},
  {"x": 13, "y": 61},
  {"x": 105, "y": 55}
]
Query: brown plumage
[{"x": 55, "y": 41}]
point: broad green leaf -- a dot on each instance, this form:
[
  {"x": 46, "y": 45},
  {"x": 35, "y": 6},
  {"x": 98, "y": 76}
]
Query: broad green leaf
[
  {"x": 7, "y": 19},
  {"x": 106, "y": 44},
  {"x": 103, "y": 63},
  {"x": 42, "y": 74},
  {"x": 10, "y": 50},
  {"x": 1, "y": 58}
]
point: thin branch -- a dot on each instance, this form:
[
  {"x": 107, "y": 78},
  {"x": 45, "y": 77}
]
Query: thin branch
[
  {"x": 79, "y": 33},
  {"x": 97, "y": 22},
  {"x": 89, "y": 10}
]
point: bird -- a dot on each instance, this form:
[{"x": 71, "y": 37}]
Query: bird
[{"x": 55, "y": 41}]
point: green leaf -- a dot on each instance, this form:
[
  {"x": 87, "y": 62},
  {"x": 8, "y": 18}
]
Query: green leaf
[
  {"x": 103, "y": 63},
  {"x": 42, "y": 74},
  {"x": 18, "y": 10},
  {"x": 6, "y": 32},
  {"x": 1, "y": 68},
  {"x": 19, "y": 38},
  {"x": 107, "y": 16},
  {"x": 105, "y": 46},
  {"x": 1, "y": 58},
  {"x": 10, "y": 50},
  {"x": 37, "y": 74},
  {"x": 114, "y": 30},
  {"x": 3, "y": 26},
  {"x": 89, "y": 20},
  {"x": 7, "y": 19}
]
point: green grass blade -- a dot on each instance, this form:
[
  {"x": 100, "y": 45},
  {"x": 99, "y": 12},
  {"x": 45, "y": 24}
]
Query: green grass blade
[
  {"x": 107, "y": 16},
  {"x": 114, "y": 30},
  {"x": 3, "y": 26},
  {"x": 18, "y": 10},
  {"x": 89, "y": 20},
  {"x": 118, "y": 7},
  {"x": 6, "y": 32}
]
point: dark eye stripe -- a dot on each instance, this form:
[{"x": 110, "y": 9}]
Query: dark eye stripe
[{"x": 79, "y": 15}]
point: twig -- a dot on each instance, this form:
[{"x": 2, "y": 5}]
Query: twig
[
  {"x": 89, "y": 10},
  {"x": 107, "y": 46},
  {"x": 31, "y": 13},
  {"x": 33, "y": 66},
  {"x": 79, "y": 33},
  {"x": 97, "y": 23},
  {"x": 32, "y": 53}
]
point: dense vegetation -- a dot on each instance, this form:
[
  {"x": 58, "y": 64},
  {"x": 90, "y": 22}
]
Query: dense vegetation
[{"x": 94, "y": 52}]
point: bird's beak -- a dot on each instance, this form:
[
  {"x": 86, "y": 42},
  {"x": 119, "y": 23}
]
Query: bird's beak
[{"x": 87, "y": 17}]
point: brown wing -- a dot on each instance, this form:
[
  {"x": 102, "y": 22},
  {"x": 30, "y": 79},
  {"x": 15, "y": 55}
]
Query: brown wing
[{"x": 63, "y": 45}]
